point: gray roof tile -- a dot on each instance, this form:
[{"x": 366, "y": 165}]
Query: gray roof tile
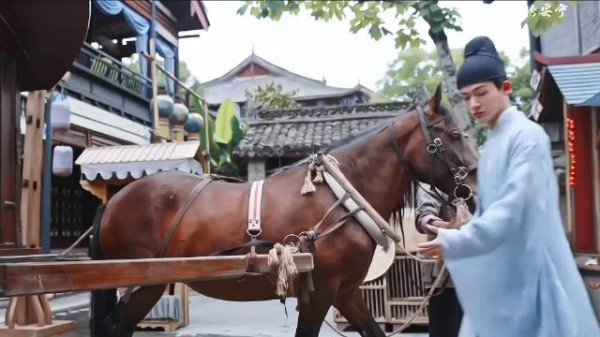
[{"x": 298, "y": 132}]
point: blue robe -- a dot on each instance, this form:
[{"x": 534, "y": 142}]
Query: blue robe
[{"x": 512, "y": 266}]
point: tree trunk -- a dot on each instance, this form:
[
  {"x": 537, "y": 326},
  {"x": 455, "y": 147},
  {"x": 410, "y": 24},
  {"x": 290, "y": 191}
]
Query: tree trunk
[{"x": 460, "y": 111}]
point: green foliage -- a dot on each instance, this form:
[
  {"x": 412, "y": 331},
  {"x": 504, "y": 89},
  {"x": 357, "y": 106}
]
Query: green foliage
[
  {"x": 222, "y": 139},
  {"x": 271, "y": 96},
  {"x": 414, "y": 67},
  {"x": 543, "y": 15},
  {"x": 366, "y": 15}
]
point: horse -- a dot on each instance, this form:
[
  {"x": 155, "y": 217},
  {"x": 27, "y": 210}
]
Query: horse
[{"x": 421, "y": 144}]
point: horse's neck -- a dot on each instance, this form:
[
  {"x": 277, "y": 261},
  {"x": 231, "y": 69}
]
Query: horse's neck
[{"x": 375, "y": 170}]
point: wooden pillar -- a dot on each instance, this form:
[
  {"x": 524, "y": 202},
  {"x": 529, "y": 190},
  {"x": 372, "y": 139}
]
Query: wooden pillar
[
  {"x": 33, "y": 155},
  {"x": 9, "y": 173}
]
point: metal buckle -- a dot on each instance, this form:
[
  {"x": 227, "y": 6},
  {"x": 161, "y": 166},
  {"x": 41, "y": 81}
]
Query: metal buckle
[
  {"x": 439, "y": 144},
  {"x": 469, "y": 189},
  {"x": 432, "y": 148},
  {"x": 460, "y": 175}
]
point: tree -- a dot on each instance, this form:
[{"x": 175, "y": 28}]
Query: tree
[
  {"x": 271, "y": 96},
  {"x": 416, "y": 66},
  {"x": 368, "y": 15},
  {"x": 520, "y": 75}
]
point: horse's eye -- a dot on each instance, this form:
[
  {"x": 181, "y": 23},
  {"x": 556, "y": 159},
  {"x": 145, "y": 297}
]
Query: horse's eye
[{"x": 455, "y": 135}]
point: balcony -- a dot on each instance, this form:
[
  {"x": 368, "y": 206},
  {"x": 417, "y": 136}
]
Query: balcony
[{"x": 103, "y": 81}]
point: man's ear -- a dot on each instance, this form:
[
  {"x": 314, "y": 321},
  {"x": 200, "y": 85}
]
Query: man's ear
[
  {"x": 436, "y": 100},
  {"x": 506, "y": 86}
]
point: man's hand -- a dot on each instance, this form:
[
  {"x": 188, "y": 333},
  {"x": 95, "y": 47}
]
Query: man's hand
[
  {"x": 433, "y": 248},
  {"x": 439, "y": 224}
]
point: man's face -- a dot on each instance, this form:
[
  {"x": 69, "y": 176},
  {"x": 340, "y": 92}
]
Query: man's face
[{"x": 486, "y": 101}]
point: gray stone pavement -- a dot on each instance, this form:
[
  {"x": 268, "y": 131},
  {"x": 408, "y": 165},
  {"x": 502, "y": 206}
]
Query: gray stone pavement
[{"x": 210, "y": 318}]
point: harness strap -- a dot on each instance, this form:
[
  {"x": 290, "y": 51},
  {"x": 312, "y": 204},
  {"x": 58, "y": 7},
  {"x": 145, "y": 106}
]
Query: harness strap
[
  {"x": 254, "y": 208},
  {"x": 251, "y": 243},
  {"x": 175, "y": 224}
]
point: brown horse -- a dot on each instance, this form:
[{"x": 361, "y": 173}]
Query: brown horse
[{"x": 421, "y": 144}]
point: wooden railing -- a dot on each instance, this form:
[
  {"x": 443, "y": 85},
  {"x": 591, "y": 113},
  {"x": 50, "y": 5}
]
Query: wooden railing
[{"x": 114, "y": 71}]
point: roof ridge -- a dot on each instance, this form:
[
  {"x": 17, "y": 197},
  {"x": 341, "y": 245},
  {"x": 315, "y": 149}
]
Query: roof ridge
[{"x": 274, "y": 114}]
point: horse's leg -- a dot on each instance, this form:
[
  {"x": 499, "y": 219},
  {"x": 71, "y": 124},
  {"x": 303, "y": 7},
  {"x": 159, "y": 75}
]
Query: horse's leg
[
  {"x": 123, "y": 321},
  {"x": 352, "y": 305},
  {"x": 312, "y": 314}
]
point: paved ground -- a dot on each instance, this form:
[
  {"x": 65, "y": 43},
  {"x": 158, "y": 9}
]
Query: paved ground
[{"x": 214, "y": 318}]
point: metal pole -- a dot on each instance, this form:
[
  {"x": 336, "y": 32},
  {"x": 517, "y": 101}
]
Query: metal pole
[
  {"x": 47, "y": 183},
  {"x": 153, "y": 68}
]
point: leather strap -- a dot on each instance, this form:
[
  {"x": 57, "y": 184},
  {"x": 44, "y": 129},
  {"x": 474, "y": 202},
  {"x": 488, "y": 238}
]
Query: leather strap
[
  {"x": 193, "y": 194},
  {"x": 254, "y": 208}
]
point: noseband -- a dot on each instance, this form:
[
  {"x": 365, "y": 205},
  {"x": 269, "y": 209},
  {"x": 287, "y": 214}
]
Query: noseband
[{"x": 435, "y": 148}]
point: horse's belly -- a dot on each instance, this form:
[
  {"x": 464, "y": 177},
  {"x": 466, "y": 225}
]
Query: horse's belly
[{"x": 249, "y": 288}]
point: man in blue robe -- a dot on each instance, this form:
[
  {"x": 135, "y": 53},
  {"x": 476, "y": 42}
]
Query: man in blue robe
[{"x": 511, "y": 264}]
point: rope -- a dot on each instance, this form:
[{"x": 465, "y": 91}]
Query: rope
[{"x": 281, "y": 262}]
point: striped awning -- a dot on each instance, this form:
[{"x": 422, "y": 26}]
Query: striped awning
[
  {"x": 136, "y": 161},
  {"x": 579, "y": 83}
]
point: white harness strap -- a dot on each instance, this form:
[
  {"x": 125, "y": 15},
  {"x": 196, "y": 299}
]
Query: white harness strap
[{"x": 254, "y": 206}]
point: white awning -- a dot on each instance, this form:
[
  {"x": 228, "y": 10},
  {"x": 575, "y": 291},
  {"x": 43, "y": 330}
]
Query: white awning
[{"x": 136, "y": 161}]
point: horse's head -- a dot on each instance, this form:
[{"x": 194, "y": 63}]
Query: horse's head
[{"x": 437, "y": 152}]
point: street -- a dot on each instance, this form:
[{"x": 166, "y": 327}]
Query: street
[{"x": 215, "y": 318}]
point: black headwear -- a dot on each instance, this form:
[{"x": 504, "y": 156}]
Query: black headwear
[{"x": 482, "y": 63}]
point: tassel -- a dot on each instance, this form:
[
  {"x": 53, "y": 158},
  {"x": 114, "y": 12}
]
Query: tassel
[
  {"x": 462, "y": 214},
  {"x": 308, "y": 186},
  {"x": 281, "y": 262},
  {"x": 319, "y": 175}
]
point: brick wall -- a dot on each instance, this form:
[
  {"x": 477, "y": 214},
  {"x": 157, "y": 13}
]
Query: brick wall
[{"x": 256, "y": 169}]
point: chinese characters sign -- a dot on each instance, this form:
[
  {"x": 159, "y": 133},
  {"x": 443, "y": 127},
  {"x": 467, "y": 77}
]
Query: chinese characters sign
[{"x": 571, "y": 144}]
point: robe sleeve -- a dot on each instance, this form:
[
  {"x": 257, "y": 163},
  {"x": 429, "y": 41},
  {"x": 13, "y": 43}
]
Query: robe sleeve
[
  {"x": 503, "y": 216},
  {"x": 428, "y": 208}
]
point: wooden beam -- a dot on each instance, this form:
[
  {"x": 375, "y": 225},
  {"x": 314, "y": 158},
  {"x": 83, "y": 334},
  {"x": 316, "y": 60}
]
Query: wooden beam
[{"x": 20, "y": 279}]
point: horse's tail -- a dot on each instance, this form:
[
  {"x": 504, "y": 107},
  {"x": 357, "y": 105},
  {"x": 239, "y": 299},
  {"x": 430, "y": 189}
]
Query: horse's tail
[{"x": 103, "y": 302}]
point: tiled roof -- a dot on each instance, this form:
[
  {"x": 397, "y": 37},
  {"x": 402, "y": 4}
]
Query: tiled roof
[
  {"x": 231, "y": 86},
  {"x": 298, "y": 132}
]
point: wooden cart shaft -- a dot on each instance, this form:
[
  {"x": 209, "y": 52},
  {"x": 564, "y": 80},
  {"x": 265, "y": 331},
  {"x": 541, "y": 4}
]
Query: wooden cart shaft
[{"x": 29, "y": 278}]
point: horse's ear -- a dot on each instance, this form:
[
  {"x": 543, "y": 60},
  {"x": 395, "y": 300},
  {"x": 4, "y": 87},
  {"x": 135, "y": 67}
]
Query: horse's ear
[{"x": 436, "y": 100}]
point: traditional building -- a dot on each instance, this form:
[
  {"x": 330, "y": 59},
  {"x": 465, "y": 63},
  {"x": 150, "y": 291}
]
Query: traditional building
[
  {"x": 255, "y": 71},
  {"x": 276, "y": 138},
  {"x": 566, "y": 61},
  {"x": 109, "y": 102}
]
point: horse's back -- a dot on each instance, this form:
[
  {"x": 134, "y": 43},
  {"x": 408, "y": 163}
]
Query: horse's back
[{"x": 137, "y": 217}]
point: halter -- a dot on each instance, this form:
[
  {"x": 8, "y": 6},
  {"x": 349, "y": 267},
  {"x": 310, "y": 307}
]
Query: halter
[{"x": 435, "y": 148}]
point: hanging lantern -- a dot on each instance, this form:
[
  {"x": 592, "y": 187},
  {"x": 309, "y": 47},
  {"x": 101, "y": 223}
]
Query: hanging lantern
[
  {"x": 165, "y": 110},
  {"x": 60, "y": 119},
  {"x": 62, "y": 161},
  {"x": 193, "y": 125},
  {"x": 178, "y": 119}
]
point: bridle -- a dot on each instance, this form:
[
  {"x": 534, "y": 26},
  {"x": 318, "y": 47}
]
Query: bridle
[{"x": 435, "y": 148}]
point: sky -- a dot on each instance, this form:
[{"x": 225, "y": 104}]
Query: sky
[{"x": 330, "y": 51}]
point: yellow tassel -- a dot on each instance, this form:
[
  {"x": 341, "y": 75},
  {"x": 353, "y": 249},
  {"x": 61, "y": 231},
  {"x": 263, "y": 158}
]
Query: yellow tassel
[
  {"x": 462, "y": 214},
  {"x": 308, "y": 186},
  {"x": 319, "y": 175}
]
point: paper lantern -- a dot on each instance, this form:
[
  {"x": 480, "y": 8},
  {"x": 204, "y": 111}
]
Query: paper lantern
[
  {"x": 180, "y": 112},
  {"x": 60, "y": 119},
  {"x": 62, "y": 161}
]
